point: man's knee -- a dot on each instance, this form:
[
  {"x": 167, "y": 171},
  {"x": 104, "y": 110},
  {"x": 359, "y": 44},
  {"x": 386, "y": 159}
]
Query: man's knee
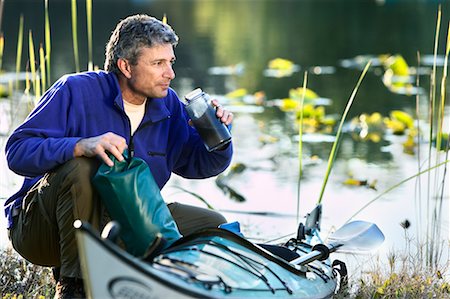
[
  {"x": 76, "y": 191},
  {"x": 80, "y": 168}
]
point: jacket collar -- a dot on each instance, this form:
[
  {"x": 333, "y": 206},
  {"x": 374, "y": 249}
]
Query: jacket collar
[{"x": 155, "y": 109}]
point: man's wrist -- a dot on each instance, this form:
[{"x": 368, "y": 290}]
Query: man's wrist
[{"x": 77, "y": 150}]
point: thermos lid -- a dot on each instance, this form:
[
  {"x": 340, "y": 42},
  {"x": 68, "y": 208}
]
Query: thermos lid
[{"x": 193, "y": 94}]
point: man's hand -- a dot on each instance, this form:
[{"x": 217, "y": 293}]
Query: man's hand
[
  {"x": 99, "y": 145},
  {"x": 225, "y": 116}
]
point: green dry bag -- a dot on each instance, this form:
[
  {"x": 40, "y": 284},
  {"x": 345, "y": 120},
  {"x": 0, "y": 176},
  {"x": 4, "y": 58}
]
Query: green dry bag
[{"x": 133, "y": 199}]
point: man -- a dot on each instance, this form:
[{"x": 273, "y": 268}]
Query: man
[{"x": 81, "y": 118}]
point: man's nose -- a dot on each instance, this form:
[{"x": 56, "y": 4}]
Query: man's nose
[{"x": 169, "y": 73}]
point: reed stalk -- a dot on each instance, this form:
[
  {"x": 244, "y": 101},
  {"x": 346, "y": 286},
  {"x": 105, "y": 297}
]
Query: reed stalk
[
  {"x": 30, "y": 103},
  {"x": 440, "y": 121},
  {"x": 42, "y": 68},
  {"x": 336, "y": 142},
  {"x": 2, "y": 2},
  {"x": 75, "y": 35},
  {"x": 28, "y": 88},
  {"x": 34, "y": 77},
  {"x": 27, "y": 83},
  {"x": 2, "y": 48},
  {"x": 19, "y": 50},
  {"x": 439, "y": 185},
  {"x": 429, "y": 248},
  {"x": 48, "y": 45},
  {"x": 300, "y": 142},
  {"x": 89, "y": 33},
  {"x": 418, "y": 197}
]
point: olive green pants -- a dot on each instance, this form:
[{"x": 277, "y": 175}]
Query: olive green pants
[{"x": 43, "y": 232}]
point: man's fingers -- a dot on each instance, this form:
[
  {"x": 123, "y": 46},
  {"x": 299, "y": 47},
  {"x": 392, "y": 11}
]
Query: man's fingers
[
  {"x": 106, "y": 159},
  {"x": 114, "y": 144},
  {"x": 227, "y": 118},
  {"x": 100, "y": 145},
  {"x": 116, "y": 140},
  {"x": 115, "y": 151}
]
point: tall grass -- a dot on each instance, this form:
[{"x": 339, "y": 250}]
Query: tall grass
[
  {"x": 75, "y": 35},
  {"x": 48, "y": 43},
  {"x": 429, "y": 249},
  {"x": 336, "y": 142},
  {"x": 19, "y": 49},
  {"x": 300, "y": 143},
  {"x": 42, "y": 68},
  {"x": 434, "y": 194},
  {"x": 2, "y": 48},
  {"x": 2, "y": 2},
  {"x": 89, "y": 33},
  {"x": 436, "y": 165},
  {"x": 34, "y": 75},
  {"x": 418, "y": 194}
]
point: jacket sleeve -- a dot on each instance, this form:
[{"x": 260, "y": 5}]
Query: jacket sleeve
[
  {"x": 39, "y": 144},
  {"x": 195, "y": 161}
]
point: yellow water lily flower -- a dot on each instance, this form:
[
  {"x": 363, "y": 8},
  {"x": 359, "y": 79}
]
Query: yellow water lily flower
[
  {"x": 297, "y": 93},
  {"x": 280, "y": 64},
  {"x": 238, "y": 93},
  {"x": 403, "y": 117},
  {"x": 397, "y": 127},
  {"x": 397, "y": 64},
  {"x": 409, "y": 145},
  {"x": 280, "y": 67},
  {"x": 375, "y": 118},
  {"x": 397, "y": 76},
  {"x": 288, "y": 104}
]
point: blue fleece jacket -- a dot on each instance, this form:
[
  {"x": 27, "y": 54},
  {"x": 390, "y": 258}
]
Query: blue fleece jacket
[{"x": 90, "y": 104}]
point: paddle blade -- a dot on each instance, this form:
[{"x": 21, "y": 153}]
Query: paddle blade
[{"x": 357, "y": 236}]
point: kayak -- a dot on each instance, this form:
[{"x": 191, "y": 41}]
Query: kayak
[
  {"x": 217, "y": 263},
  {"x": 214, "y": 263}
]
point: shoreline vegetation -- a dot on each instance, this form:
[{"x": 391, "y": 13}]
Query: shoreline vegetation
[{"x": 408, "y": 275}]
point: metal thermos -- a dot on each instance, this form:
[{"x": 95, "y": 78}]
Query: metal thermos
[{"x": 213, "y": 132}]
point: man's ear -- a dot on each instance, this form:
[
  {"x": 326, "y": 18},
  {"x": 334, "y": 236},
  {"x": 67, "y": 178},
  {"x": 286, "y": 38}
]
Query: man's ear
[{"x": 124, "y": 67}]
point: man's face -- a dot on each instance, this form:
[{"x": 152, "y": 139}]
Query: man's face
[{"x": 151, "y": 76}]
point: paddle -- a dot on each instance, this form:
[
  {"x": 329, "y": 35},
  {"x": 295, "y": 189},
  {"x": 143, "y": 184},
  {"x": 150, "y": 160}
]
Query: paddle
[{"x": 356, "y": 236}]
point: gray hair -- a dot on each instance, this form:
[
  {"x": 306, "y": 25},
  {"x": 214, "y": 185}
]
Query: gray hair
[{"x": 133, "y": 33}]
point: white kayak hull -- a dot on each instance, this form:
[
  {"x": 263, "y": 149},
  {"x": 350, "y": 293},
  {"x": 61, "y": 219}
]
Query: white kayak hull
[{"x": 110, "y": 272}]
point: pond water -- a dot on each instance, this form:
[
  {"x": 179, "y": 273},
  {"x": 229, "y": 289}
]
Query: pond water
[{"x": 226, "y": 45}]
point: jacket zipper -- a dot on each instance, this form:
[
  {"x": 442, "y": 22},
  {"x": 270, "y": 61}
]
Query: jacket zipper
[{"x": 131, "y": 144}]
